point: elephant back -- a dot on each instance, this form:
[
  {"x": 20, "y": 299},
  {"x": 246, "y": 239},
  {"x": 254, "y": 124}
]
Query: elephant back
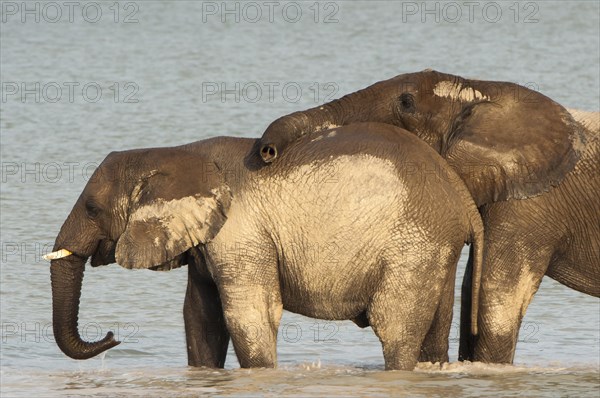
[
  {"x": 589, "y": 164},
  {"x": 418, "y": 168},
  {"x": 589, "y": 120}
]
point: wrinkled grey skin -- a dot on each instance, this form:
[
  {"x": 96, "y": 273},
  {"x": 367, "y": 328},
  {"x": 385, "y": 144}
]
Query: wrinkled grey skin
[
  {"x": 321, "y": 234},
  {"x": 506, "y": 142}
]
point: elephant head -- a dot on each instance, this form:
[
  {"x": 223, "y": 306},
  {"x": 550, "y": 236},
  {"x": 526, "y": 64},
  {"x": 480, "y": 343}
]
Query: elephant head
[
  {"x": 142, "y": 209},
  {"x": 505, "y": 140}
]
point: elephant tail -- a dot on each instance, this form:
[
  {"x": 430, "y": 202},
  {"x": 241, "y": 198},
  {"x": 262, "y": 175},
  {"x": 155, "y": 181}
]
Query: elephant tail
[{"x": 477, "y": 240}]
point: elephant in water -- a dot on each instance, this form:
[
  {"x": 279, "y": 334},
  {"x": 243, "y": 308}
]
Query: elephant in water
[
  {"x": 532, "y": 167},
  {"x": 340, "y": 228}
]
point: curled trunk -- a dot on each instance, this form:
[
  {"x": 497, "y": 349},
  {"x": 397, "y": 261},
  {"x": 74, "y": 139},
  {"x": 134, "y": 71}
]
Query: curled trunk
[
  {"x": 287, "y": 129},
  {"x": 67, "y": 276}
]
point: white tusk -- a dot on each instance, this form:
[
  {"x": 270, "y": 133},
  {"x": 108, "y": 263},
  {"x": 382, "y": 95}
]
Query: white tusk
[{"x": 57, "y": 254}]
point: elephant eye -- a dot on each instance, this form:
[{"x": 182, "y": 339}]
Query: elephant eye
[
  {"x": 407, "y": 102},
  {"x": 92, "y": 209}
]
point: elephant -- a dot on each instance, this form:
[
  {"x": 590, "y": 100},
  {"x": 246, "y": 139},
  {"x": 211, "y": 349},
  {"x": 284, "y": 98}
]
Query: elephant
[
  {"x": 532, "y": 167},
  {"x": 318, "y": 234}
]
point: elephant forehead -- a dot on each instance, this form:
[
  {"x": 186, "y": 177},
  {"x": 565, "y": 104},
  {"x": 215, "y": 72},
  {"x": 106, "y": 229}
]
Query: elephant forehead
[{"x": 457, "y": 91}]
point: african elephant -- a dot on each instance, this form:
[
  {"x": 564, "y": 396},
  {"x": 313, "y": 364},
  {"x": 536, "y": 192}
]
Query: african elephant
[
  {"x": 512, "y": 146},
  {"x": 317, "y": 234}
]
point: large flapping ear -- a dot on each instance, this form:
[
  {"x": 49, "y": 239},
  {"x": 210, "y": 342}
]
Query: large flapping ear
[
  {"x": 180, "y": 202},
  {"x": 513, "y": 152}
]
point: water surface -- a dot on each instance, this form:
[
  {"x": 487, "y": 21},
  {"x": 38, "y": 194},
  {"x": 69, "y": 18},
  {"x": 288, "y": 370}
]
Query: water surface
[{"x": 157, "y": 77}]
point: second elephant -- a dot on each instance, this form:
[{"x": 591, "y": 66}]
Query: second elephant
[
  {"x": 340, "y": 228},
  {"x": 532, "y": 167}
]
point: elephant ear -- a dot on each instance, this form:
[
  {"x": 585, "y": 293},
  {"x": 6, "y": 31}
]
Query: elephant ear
[
  {"x": 173, "y": 208},
  {"x": 509, "y": 152}
]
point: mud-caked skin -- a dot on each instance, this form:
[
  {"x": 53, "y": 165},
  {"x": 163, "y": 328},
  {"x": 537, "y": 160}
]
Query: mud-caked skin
[
  {"x": 340, "y": 228},
  {"x": 532, "y": 166},
  {"x": 555, "y": 234}
]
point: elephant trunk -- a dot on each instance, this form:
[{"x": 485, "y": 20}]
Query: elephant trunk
[
  {"x": 67, "y": 275},
  {"x": 287, "y": 129}
]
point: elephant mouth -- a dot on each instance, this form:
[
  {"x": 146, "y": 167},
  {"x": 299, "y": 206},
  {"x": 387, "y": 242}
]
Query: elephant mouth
[{"x": 104, "y": 253}]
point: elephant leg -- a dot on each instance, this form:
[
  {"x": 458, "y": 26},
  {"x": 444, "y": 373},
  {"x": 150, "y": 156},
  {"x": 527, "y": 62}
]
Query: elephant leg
[
  {"x": 206, "y": 335},
  {"x": 466, "y": 345},
  {"x": 401, "y": 314},
  {"x": 252, "y": 314},
  {"x": 508, "y": 285},
  {"x": 435, "y": 346}
]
